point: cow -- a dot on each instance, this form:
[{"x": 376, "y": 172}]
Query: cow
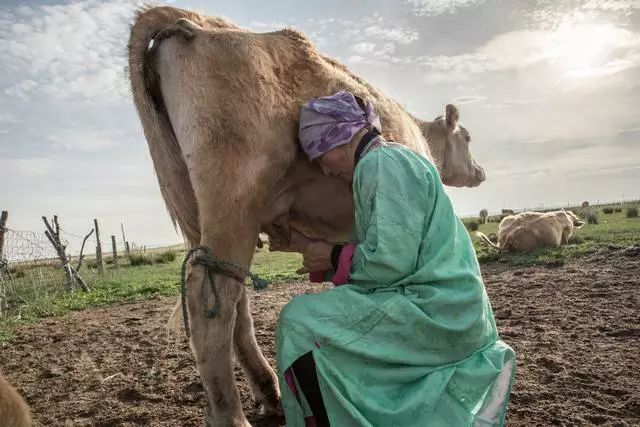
[
  {"x": 14, "y": 411},
  {"x": 528, "y": 231},
  {"x": 219, "y": 107}
]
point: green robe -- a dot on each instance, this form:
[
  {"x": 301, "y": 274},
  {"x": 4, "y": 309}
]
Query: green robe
[{"x": 411, "y": 340}]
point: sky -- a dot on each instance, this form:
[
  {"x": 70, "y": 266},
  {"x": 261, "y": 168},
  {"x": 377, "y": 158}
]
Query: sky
[{"x": 549, "y": 90}]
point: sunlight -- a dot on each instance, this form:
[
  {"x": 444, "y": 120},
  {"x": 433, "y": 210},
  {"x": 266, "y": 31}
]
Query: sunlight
[{"x": 582, "y": 48}]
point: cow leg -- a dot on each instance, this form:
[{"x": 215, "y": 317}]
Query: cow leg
[
  {"x": 211, "y": 340},
  {"x": 262, "y": 379}
]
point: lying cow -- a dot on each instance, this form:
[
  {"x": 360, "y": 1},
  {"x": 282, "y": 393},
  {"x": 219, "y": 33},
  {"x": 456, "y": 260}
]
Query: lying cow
[
  {"x": 14, "y": 411},
  {"x": 528, "y": 231},
  {"x": 219, "y": 106}
]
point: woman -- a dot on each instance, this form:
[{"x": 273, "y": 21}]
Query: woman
[{"x": 409, "y": 338}]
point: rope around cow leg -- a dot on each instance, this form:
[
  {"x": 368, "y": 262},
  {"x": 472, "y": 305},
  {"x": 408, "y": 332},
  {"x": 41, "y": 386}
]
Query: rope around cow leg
[{"x": 212, "y": 264}]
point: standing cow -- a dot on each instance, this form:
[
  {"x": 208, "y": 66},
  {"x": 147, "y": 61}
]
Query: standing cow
[{"x": 219, "y": 107}]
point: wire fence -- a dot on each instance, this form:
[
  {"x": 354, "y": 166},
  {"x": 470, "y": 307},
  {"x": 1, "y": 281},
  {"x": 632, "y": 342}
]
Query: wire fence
[{"x": 32, "y": 268}]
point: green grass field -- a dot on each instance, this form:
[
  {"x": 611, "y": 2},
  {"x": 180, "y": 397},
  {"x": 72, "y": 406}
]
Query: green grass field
[
  {"x": 31, "y": 301},
  {"x": 160, "y": 276},
  {"x": 613, "y": 229}
]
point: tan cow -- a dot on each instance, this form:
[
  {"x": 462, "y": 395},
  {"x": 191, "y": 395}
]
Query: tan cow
[
  {"x": 14, "y": 411},
  {"x": 528, "y": 231},
  {"x": 219, "y": 107}
]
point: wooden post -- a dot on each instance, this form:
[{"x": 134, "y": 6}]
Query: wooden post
[
  {"x": 4, "y": 266},
  {"x": 124, "y": 241},
  {"x": 99, "y": 261},
  {"x": 53, "y": 234},
  {"x": 3, "y": 228},
  {"x": 115, "y": 252}
]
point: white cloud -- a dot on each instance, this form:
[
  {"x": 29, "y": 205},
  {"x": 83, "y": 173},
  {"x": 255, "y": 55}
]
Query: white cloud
[
  {"x": 69, "y": 50},
  {"x": 22, "y": 89},
  {"x": 613, "y": 5},
  {"x": 469, "y": 99},
  {"x": 377, "y": 28},
  {"x": 10, "y": 119},
  {"x": 29, "y": 166},
  {"x": 438, "y": 7},
  {"x": 84, "y": 140},
  {"x": 611, "y": 67},
  {"x": 261, "y": 26},
  {"x": 580, "y": 51},
  {"x": 363, "y": 47}
]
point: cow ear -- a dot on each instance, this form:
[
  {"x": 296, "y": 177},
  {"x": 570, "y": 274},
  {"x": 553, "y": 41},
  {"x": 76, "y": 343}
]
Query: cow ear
[
  {"x": 451, "y": 117},
  {"x": 578, "y": 224}
]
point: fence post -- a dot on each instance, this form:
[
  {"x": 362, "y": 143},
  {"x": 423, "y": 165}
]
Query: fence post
[
  {"x": 115, "y": 252},
  {"x": 99, "y": 262},
  {"x": 53, "y": 234},
  {"x": 3, "y": 224},
  {"x": 128, "y": 249},
  {"x": 4, "y": 266}
]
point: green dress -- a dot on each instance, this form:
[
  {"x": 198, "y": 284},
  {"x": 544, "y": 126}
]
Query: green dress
[{"x": 411, "y": 340}]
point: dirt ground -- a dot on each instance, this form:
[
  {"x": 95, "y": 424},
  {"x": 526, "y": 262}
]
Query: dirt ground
[{"x": 575, "y": 329}]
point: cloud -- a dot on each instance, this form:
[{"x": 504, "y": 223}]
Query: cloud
[
  {"x": 89, "y": 141},
  {"x": 22, "y": 89},
  {"x": 261, "y": 26},
  {"x": 469, "y": 99},
  {"x": 582, "y": 51},
  {"x": 30, "y": 166},
  {"x": 630, "y": 137},
  {"x": 613, "y": 5},
  {"x": 363, "y": 47},
  {"x": 377, "y": 28},
  {"x": 439, "y": 7},
  {"x": 10, "y": 119},
  {"x": 612, "y": 67},
  {"x": 72, "y": 50}
]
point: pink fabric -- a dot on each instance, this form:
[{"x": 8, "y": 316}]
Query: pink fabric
[
  {"x": 341, "y": 275},
  {"x": 288, "y": 377},
  {"x": 316, "y": 277}
]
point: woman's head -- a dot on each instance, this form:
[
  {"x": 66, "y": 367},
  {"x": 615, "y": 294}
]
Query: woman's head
[{"x": 328, "y": 124}]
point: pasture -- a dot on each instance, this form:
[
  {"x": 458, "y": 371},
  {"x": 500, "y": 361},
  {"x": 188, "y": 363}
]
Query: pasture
[{"x": 571, "y": 314}]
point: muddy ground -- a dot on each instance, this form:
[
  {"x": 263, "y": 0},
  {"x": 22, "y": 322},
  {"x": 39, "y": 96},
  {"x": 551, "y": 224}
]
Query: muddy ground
[{"x": 575, "y": 329}]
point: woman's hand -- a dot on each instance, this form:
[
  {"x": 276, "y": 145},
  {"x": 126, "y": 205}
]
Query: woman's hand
[{"x": 317, "y": 257}]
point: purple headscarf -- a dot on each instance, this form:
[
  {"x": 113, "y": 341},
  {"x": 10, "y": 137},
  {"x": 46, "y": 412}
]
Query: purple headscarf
[{"x": 328, "y": 122}]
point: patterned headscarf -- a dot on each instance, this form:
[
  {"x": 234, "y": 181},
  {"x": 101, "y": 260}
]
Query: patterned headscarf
[{"x": 328, "y": 122}]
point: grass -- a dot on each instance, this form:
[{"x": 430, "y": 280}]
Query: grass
[
  {"x": 613, "y": 229},
  {"x": 158, "y": 275}
]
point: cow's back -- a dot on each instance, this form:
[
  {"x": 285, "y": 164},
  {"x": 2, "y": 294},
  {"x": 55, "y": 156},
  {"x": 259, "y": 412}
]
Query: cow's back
[{"x": 530, "y": 230}]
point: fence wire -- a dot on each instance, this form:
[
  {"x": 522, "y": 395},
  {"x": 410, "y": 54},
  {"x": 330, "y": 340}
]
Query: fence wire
[
  {"x": 31, "y": 270},
  {"x": 29, "y": 266}
]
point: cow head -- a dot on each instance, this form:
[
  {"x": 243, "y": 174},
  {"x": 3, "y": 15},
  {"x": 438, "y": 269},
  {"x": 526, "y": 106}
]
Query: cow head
[
  {"x": 574, "y": 219},
  {"x": 449, "y": 145}
]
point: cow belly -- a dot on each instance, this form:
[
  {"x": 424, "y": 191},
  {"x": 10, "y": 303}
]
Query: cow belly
[{"x": 320, "y": 208}]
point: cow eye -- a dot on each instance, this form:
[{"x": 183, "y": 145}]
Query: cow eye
[{"x": 468, "y": 138}]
